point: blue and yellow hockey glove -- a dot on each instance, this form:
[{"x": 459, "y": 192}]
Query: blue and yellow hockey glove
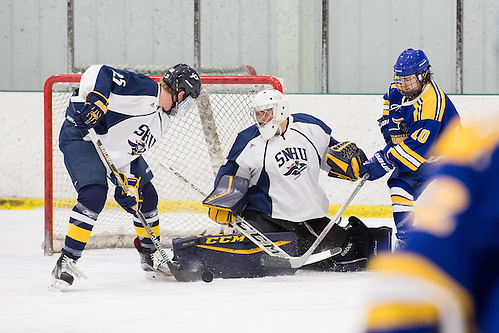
[
  {"x": 94, "y": 108},
  {"x": 131, "y": 201}
]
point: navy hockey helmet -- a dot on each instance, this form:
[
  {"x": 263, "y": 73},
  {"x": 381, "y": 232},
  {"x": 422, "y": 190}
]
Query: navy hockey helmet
[
  {"x": 412, "y": 62},
  {"x": 183, "y": 77}
]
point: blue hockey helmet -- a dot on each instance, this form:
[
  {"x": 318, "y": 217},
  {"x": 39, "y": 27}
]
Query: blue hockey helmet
[
  {"x": 412, "y": 72},
  {"x": 183, "y": 77},
  {"x": 411, "y": 62}
]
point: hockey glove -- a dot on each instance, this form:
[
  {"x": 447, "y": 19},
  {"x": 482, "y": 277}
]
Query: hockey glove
[
  {"x": 345, "y": 160},
  {"x": 94, "y": 108},
  {"x": 377, "y": 166},
  {"x": 383, "y": 126},
  {"x": 131, "y": 201}
]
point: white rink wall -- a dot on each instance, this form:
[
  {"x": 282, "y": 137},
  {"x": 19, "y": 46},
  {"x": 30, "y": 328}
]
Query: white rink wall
[{"x": 352, "y": 117}]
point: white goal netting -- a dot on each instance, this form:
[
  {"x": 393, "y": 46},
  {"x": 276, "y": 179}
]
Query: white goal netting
[{"x": 195, "y": 146}]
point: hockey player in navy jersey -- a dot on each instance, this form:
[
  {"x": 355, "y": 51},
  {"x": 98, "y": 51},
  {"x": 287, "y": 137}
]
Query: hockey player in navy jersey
[
  {"x": 416, "y": 111},
  {"x": 282, "y": 155},
  {"x": 447, "y": 279},
  {"x": 129, "y": 112}
]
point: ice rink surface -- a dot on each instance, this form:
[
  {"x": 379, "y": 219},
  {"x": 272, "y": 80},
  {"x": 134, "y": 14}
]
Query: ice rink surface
[{"x": 117, "y": 297}]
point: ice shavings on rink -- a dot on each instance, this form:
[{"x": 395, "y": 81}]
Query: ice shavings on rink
[{"x": 116, "y": 297}]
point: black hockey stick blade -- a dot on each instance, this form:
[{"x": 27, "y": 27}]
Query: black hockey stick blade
[{"x": 181, "y": 275}]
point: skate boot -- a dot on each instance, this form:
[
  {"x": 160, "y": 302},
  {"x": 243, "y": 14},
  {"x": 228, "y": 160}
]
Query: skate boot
[
  {"x": 151, "y": 264},
  {"x": 64, "y": 273}
]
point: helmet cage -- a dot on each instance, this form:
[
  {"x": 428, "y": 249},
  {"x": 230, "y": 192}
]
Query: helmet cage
[
  {"x": 411, "y": 86},
  {"x": 412, "y": 72}
]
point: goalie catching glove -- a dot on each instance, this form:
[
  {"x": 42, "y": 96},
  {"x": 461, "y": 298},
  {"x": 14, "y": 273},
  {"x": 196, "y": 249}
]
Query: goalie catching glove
[
  {"x": 345, "y": 160},
  {"x": 228, "y": 199},
  {"x": 131, "y": 201}
]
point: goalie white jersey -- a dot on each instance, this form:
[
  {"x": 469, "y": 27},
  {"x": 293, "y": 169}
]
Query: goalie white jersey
[
  {"x": 133, "y": 122},
  {"x": 284, "y": 170}
]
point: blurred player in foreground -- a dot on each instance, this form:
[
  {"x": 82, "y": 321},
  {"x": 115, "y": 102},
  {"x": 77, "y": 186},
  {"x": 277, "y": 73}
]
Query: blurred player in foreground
[
  {"x": 129, "y": 112},
  {"x": 282, "y": 155},
  {"x": 416, "y": 111},
  {"x": 447, "y": 278}
]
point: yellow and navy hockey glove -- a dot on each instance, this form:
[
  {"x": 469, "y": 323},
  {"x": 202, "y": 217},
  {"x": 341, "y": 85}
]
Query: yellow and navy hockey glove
[
  {"x": 131, "y": 201},
  {"x": 345, "y": 160},
  {"x": 94, "y": 108}
]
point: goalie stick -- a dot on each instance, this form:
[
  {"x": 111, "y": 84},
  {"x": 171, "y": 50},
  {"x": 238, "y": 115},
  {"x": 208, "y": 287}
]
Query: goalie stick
[
  {"x": 165, "y": 261},
  {"x": 307, "y": 255},
  {"x": 277, "y": 256}
]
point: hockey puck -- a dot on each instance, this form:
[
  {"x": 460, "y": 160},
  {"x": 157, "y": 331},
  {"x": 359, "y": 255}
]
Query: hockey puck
[{"x": 207, "y": 276}]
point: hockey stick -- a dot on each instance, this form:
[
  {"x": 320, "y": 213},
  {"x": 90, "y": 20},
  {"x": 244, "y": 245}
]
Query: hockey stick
[
  {"x": 277, "y": 256},
  {"x": 303, "y": 259},
  {"x": 174, "y": 270},
  {"x": 242, "y": 226}
]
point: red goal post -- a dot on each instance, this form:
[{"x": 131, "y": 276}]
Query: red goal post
[{"x": 195, "y": 146}]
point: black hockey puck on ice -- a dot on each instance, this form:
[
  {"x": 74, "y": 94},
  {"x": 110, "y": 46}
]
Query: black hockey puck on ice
[{"x": 207, "y": 276}]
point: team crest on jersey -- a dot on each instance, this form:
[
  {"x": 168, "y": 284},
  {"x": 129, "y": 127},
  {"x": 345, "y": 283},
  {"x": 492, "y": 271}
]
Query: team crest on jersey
[
  {"x": 295, "y": 169},
  {"x": 400, "y": 125},
  {"x": 138, "y": 147},
  {"x": 400, "y": 131},
  {"x": 293, "y": 159}
]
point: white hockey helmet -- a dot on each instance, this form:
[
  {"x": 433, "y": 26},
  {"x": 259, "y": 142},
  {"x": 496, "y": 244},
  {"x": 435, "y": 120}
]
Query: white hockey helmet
[{"x": 269, "y": 108}]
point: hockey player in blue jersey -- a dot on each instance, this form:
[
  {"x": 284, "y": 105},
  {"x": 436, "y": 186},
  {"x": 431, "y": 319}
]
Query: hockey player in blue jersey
[
  {"x": 129, "y": 112},
  {"x": 416, "y": 111},
  {"x": 447, "y": 279},
  {"x": 282, "y": 155}
]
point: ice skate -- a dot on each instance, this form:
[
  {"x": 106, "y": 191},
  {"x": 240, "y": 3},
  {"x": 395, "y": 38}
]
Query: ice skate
[
  {"x": 64, "y": 273},
  {"x": 151, "y": 264}
]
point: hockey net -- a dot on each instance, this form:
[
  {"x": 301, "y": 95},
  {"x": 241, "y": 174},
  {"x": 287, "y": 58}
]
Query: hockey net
[{"x": 194, "y": 146}]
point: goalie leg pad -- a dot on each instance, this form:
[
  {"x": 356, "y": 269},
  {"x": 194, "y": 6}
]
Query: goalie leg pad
[
  {"x": 358, "y": 243},
  {"x": 231, "y": 256},
  {"x": 364, "y": 242}
]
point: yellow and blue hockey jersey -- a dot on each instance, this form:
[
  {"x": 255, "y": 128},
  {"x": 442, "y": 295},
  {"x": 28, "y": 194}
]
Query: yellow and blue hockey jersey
[
  {"x": 447, "y": 278},
  {"x": 415, "y": 125}
]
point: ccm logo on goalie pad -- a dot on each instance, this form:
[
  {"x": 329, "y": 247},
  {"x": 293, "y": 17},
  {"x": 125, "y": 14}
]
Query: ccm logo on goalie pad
[{"x": 224, "y": 239}]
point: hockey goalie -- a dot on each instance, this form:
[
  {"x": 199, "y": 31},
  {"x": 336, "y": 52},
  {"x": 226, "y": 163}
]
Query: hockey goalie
[{"x": 270, "y": 181}]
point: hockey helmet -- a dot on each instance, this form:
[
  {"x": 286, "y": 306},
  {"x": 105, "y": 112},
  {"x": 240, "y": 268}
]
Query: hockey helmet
[
  {"x": 275, "y": 110},
  {"x": 412, "y": 62},
  {"x": 182, "y": 77}
]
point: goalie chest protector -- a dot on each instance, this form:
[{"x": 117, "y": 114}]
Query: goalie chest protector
[{"x": 231, "y": 256}]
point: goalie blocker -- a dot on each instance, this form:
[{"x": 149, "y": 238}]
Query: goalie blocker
[
  {"x": 228, "y": 199},
  {"x": 235, "y": 256}
]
